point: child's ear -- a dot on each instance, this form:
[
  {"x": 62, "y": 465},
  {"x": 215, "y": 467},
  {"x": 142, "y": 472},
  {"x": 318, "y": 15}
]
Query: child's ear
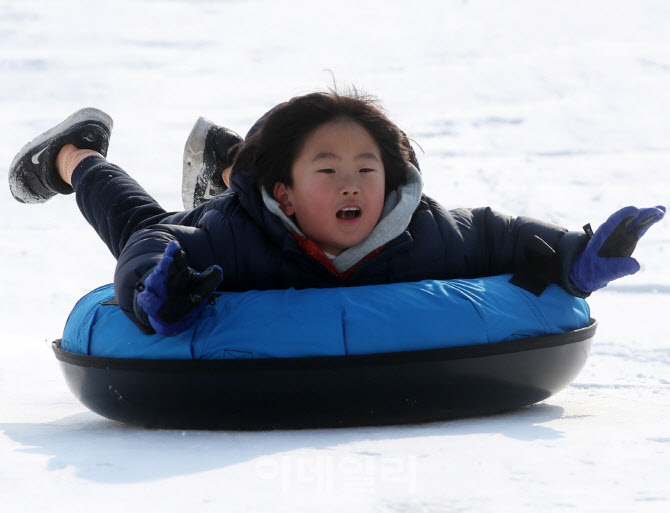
[{"x": 281, "y": 194}]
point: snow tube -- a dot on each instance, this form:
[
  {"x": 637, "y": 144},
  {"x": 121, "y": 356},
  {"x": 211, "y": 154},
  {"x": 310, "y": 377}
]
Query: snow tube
[{"x": 397, "y": 353}]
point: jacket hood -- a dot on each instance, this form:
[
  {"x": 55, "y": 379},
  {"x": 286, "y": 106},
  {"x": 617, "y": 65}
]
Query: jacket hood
[{"x": 251, "y": 200}]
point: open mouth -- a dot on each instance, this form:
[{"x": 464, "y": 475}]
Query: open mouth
[{"x": 348, "y": 213}]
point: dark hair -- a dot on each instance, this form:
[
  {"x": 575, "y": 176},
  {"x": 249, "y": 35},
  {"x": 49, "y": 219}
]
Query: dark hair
[{"x": 267, "y": 154}]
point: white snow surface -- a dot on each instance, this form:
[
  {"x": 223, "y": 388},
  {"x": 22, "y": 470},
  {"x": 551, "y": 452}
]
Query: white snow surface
[{"x": 555, "y": 109}]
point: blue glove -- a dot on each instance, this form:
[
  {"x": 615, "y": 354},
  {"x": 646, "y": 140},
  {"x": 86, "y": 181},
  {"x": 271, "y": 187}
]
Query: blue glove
[
  {"x": 607, "y": 256},
  {"x": 174, "y": 295}
]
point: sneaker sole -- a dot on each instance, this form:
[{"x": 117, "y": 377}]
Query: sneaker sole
[
  {"x": 194, "y": 160},
  {"x": 16, "y": 179}
]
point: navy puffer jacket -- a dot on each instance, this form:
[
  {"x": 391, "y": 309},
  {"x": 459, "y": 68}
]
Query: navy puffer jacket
[{"x": 256, "y": 251}]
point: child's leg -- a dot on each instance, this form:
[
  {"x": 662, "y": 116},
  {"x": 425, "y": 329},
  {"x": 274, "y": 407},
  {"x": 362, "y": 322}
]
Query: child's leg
[
  {"x": 114, "y": 204},
  {"x": 70, "y": 157}
]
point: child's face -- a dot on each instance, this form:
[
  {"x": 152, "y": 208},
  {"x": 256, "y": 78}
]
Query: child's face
[{"x": 337, "y": 194}]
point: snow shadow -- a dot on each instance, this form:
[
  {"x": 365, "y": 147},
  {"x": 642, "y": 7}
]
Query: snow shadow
[{"x": 105, "y": 451}]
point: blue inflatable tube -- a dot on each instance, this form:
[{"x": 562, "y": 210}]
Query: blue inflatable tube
[
  {"x": 333, "y": 322},
  {"x": 386, "y": 354}
]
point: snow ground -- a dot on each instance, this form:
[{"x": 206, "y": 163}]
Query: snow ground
[{"x": 559, "y": 110}]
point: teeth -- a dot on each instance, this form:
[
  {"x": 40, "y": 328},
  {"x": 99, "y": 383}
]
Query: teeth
[{"x": 349, "y": 213}]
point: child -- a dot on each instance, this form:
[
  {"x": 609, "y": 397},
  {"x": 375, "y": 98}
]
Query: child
[{"x": 324, "y": 192}]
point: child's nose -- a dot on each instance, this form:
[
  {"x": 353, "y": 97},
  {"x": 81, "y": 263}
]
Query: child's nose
[{"x": 350, "y": 187}]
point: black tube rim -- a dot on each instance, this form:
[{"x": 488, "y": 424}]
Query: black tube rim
[{"x": 423, "y": 355}]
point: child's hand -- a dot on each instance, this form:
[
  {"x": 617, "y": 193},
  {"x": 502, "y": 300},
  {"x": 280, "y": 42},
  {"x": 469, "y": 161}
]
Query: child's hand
[
  {"x": 608, "y": 254},
  {"x": 174, "y": 294}
]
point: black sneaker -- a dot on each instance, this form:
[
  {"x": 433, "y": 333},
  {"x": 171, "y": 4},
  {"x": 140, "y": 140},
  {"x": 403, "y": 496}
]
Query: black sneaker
[
  {"x": 205, "y": 157},
  {"x": 33, "y": 177}
]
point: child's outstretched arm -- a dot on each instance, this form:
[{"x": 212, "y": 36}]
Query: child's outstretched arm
[
  {"x": 607, "y": 256},
  {"x": 540, "y": 253}
]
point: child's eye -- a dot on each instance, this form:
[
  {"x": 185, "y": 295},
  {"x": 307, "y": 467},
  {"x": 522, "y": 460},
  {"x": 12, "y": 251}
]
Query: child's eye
[
  {"x": 367, "y": 170},
  {"x": 327, "y": 171}
]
